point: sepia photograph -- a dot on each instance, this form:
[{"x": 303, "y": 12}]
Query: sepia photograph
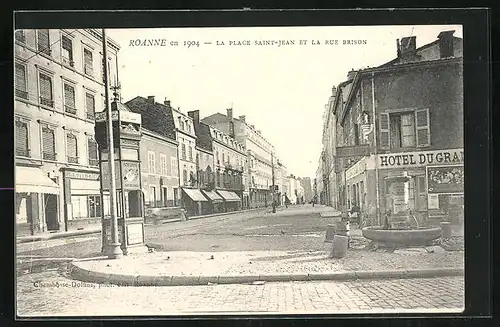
[{"x": 239, "y": 170}]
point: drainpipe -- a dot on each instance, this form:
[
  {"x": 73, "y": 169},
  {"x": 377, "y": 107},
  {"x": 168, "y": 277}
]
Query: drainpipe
[{"x": 375, "y": 149}]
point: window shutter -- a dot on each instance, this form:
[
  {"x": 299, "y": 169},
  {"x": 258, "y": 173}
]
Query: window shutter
[
  {"x": 20, "y": 77},
  {"x": 384, "y": 130},
  {"x": 21, "y": 135},
  {"x": 72, "y": 145},
  {"x": 90, "y": 104},
  {"x": 43, "y": 41},
  {"x": 48, "y": 140},
  {"x": 92, "y": 145},
  {"x": 422, "y": 124},
  {"x": 69, "y": 96},
  {"x": 45, "y": 87},
  {"x": 88, "y": 61}
]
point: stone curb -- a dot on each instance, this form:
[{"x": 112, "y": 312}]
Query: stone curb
[{"x": 145, "y": 280}]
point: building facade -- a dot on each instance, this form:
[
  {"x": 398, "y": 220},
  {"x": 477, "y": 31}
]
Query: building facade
[
  {"x": 259, "y": 151},
  {"x": 410, "y": 144},
  {"x": 58, "y": 88},
  {"x": 158, "y": 153},
  {"x": 306, "y": 184}
]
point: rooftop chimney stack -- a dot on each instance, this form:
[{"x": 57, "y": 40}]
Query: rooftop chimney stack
[
  {"x": 446, "y": 49},
  {"x": 242, "y": 118},
  {"x": 151, "y": 99},
  {"x": 408, "y": 45},
  {"x": 398, "y": 47},
  {"x": 166, "y": 102},
  {"x": 230, "y": 122},
  {"x": 350, "y": 75},
  {"x": 195, "y": 114}
]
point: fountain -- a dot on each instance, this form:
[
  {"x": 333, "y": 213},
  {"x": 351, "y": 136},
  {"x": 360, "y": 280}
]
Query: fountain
[{"x": 400, "y": 225}]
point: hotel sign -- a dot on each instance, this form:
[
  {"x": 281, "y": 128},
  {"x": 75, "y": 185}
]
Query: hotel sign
[
  {"x": 355, "y": 170},
  {"x": 420, "y": 159}
]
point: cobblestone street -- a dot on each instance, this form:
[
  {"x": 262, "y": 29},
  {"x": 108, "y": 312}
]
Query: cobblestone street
[{"x": 42, "y": 296}]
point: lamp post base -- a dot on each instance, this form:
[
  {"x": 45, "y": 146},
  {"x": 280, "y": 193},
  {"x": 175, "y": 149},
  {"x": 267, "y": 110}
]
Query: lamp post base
[{"x": 114, "y": 251}]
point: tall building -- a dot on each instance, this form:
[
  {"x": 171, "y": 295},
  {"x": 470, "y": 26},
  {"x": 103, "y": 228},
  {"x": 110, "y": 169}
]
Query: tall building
[
  {"x": 400, "y": 153},
  {"x": 258, "y": 164},
  {"x": 306, "y": 184},
  {"x": 58, "y": 88}
]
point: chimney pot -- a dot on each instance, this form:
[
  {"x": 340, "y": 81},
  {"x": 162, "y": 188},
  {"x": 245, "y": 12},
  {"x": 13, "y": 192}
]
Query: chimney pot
[
  {"x": 242, "y": 118},
  {"x": 151, "y": 98},
  {"x": 408, "y": 45},
  {"x": 166, "y": 102}
]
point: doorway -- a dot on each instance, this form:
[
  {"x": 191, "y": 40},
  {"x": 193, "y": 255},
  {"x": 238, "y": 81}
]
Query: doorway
[{"x": 50, "y": 201}]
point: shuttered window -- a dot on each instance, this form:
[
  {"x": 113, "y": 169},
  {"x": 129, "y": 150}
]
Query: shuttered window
[
  {"x": 43, "y": 42},
  {"x": 71, "y": 148},
  {"x": 407, "y": 130},
  {"x": 46, "y": 90},
  {"x": 422, "y": 123},
  {"x": 151, "y": 162},
  {"x": 20, "y": 81},
  {"x": 48, "y": 143},
  {"x": 67, "y": 50},
  {"x": 89, "y": 105},
  {"x": 88, "y": 62},
  {"x": 93, "y": 155},
  {"x": 384, "y": 130},
  {"x": 69, "y": 99},
  {"x": 22, "y": 139}
]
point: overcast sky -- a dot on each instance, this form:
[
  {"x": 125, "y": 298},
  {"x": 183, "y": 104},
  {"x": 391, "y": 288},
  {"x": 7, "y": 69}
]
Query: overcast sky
[{"x": 281, "y": 90}]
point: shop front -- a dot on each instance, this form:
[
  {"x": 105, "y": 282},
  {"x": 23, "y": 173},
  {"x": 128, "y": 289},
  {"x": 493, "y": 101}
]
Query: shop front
[
  {"x": 192, "y": 201},
  {"x": 232, "y": 201},
  {"x": 83, "y": 204},
  {"x": 215, "y": 203},
  {"x": 419, "y": 188},
  {"x": 356, "y": 186},
  {"x": 37, "y": 202}
]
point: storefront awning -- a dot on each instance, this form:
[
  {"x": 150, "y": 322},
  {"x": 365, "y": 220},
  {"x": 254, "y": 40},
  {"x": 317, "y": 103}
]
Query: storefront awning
[
  {"x": 229, "y": 196},
  {"x": 195, "y": 195},
  {"x": 214, "y": 197},
  {"x": 34, "y": 180}
]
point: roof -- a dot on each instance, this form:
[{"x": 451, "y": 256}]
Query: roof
[
  {"x": 119, "y": 106},
  {"x": 156, "y": 117},
  {"x": 203, "y": 136},
  {"x": 215, "y": 119}
]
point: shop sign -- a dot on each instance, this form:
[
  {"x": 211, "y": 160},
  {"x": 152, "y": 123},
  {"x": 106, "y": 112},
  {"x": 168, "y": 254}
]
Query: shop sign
[
  {"x": 103, "y": 116},
  {"x": 82, "y": 175},
  {"x": 130, "y": 117},
  {"x": 357, "y": 169},
  {"x": 445, "y": 179},
  {"x": 131, "y": 175},
  {"x": 433, "y": 201},
  {"x": 419, "y": 159}
]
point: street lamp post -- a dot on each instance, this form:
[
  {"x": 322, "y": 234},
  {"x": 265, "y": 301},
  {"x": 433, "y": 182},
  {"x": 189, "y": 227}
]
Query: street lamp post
[
  {"x": 274, "y": 187},
  {"x": 114, "y": 249}
]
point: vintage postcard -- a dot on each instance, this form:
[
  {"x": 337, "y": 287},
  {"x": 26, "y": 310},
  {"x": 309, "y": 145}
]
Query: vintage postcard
[{"x": 239, "y": 170}]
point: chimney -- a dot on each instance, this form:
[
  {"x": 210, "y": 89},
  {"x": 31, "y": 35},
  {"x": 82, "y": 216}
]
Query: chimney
[
  {"x": 398, "y": 47},
  {"x": 230, "y": 122},
  {"x": 334, "y": 90},
  {"x": 242, "y": 118},
  {"x": 151, "y": 99},
  {"x": 408, "y": 45},
  {"x": 446, "y": 44},
  {"x": 166, "y": 102},
  {"x": 195, "y": 114}
]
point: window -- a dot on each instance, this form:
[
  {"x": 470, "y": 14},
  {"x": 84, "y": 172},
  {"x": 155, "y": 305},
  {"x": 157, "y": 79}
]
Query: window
[
  {"x": 163, "y": 165},
  {"x": 184, "y": 176},
  {"x": 72, "y": 148},
  {"x": 69, "y": 99},
  {"x": 190, "y": 153},
  {"x": 151, "y": 162},
  {"x": 405, "y": 129},
  {"x": 183, "y": 151},
  {"x": 46, "y": 98},
  {"x": 22, "y": 143},
  {"x": 20, "y": 81},
  {"x": 43, "y": 42},
  {"x": 67, "y": 50},
  {"x": 20, "y": 36},
  {"x": 88, "y": 62},
  {"x": 173, "y": 166},
  {"x": 89, "y": 106},
  {"x": 94, "y": 206},
  {"x": 223, "y": 158},
  {"x": 48, "y": 143},
  {"x": 93, "y": 155}
]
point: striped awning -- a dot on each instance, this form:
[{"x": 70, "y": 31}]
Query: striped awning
[
  {"x": 195, "y": 195},
  {"x": 229, "y": 196}
]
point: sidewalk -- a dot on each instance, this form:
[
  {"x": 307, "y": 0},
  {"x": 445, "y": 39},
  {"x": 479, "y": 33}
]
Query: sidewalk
[
  {"x": 95, "y": 230},
  {"x": 202, "y": 268}
]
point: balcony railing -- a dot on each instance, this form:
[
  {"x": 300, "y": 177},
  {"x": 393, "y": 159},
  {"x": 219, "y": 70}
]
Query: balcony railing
[
  {"x": 70, "y": 110},
  {"x": 90, "y": 115},
  {"x": 22, "y": 94},
  {"x": 72, "y": 159},
  {"x": 22, "y": 152},
  {"x": 47, "y": 102},
  {"x": 49, "y": 156},
  {"x": 93, "y": 162}
]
